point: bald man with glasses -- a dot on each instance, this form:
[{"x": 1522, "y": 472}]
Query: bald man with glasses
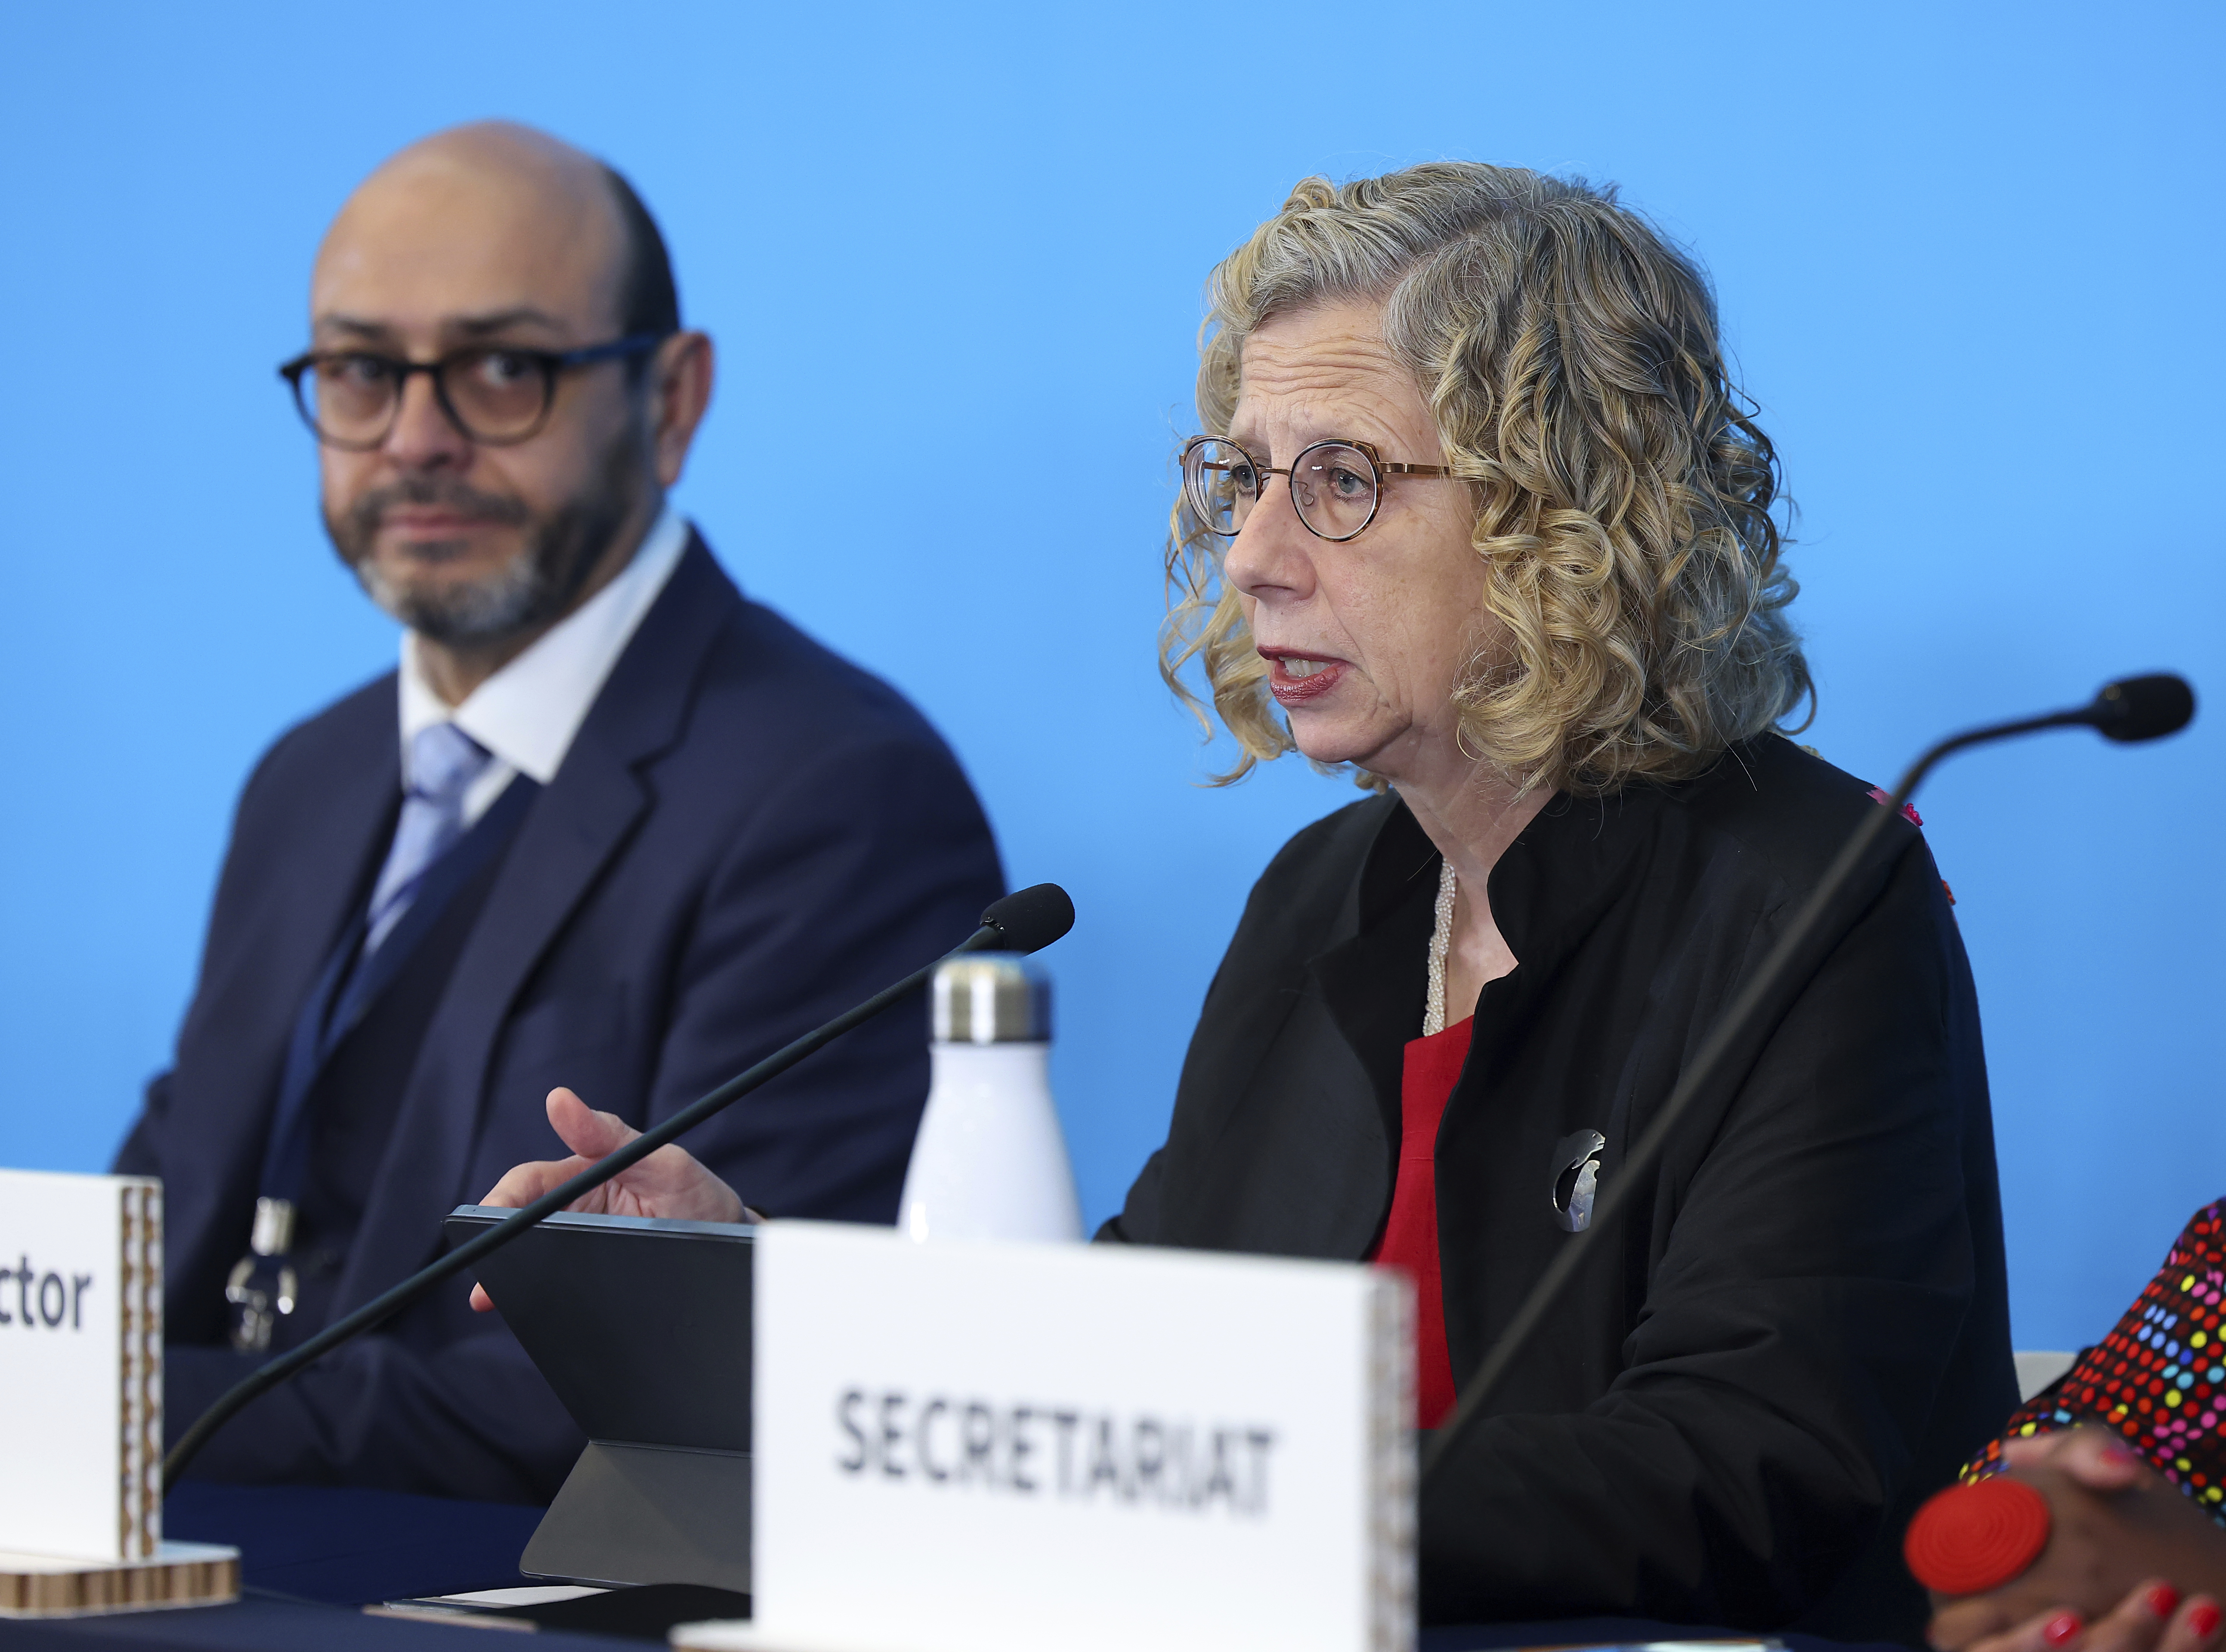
[{"x": 609, "y": 826}]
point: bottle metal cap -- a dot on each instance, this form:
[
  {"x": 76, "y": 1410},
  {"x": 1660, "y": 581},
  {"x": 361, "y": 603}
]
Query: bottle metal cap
[{"x": 990, "y": 998}]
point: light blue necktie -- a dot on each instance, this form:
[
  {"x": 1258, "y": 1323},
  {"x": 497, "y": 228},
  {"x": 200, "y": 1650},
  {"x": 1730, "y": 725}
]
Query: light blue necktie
[{"x": 443, "y": 762}]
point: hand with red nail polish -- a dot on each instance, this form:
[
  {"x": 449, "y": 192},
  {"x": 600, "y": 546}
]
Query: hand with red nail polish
[
  {"x": 2124, "y": 1546},
  {"x": 2150, "y": 1619},
  {"x": 2095, "y": 1458},
  {"x": 2127, "y": 1552}
]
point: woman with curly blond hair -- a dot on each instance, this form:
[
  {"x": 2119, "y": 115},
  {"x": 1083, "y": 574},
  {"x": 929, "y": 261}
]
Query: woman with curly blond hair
[{"x": 1479, "y": 515}]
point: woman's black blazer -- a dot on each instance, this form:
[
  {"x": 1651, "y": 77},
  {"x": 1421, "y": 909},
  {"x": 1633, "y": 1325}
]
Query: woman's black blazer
[{"x": 1801, "y": 1327}]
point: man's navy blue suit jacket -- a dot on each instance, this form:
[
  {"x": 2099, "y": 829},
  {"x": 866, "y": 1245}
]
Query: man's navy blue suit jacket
[{"x": 747, "y": 835}]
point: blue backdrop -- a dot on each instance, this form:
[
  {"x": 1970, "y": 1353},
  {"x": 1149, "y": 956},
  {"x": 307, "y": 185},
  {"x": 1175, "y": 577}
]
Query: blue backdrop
[{"x": 1968, "y": 258}]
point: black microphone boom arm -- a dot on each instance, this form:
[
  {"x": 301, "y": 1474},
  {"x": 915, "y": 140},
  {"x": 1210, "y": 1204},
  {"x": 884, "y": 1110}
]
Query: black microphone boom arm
[
  {"x": 1026, "y": 921},
  {"x": 2136, "y": 708}
]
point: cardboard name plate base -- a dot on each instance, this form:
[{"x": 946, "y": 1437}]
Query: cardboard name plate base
[{"x": 176, "y": 1574}]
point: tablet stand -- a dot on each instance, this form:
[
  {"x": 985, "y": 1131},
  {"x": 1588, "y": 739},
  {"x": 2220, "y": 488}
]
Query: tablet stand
[{"x": 642, "y": 1328}]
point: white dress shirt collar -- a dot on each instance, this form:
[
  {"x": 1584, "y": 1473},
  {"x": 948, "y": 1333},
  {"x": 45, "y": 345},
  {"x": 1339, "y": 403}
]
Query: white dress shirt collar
[{"x": 528, "y": 712}]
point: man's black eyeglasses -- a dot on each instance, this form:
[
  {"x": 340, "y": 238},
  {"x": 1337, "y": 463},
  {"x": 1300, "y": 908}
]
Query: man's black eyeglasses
[{"x": 495, "y": 393}]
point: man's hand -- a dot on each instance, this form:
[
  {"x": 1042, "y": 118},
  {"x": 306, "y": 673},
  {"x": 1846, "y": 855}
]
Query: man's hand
[
  {"x": 669, "y": 1182},
  {"x": 2119, "y": 1530}
]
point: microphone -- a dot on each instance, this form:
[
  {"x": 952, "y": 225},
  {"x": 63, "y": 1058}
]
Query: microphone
[
  {"x": 1026, "y": 921},
  {"x": 2142, "y": 708},
  {"x": 2131, "y": 709}
]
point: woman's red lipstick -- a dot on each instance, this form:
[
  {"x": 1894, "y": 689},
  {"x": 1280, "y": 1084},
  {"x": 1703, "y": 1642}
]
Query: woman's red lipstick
[{"x": 1294, "y": 678}]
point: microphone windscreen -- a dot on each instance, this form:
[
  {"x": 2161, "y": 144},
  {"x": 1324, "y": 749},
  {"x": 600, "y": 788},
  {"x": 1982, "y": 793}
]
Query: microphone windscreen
[
  {"x": 1028, "y": 920},
  {"x": 2143, "y": 708}
]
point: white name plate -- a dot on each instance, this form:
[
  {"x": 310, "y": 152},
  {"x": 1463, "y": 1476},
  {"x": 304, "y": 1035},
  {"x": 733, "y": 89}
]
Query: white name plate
[
  {"x": 81, "y": 1358},
  {"x": 978, "y": 1447}
]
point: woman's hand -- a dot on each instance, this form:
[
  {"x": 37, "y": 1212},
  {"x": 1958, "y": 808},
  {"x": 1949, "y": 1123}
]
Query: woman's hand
[
  {"x": 669, "y": 1182},
  {"x": 2096, "y": 1457},
  {"x": 2153, "y": 1618},
  {"x": 2124, "y": 1546}
]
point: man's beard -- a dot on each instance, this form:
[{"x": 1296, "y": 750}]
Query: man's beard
[{"x": 526, "y": 593}]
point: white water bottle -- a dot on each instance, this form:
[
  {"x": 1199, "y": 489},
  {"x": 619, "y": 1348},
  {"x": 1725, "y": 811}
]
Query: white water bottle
[{"x": 989, "y": 1161}]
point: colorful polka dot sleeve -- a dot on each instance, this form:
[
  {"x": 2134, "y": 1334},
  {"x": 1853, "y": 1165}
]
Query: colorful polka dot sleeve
[{"x": 2158, "y": 1378}]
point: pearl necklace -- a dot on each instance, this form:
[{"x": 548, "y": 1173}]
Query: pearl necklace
[{"x": 1441, "y": 941}]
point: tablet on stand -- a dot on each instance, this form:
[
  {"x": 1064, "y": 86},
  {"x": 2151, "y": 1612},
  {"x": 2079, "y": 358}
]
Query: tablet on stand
[{"x": 642, "y": 1327}]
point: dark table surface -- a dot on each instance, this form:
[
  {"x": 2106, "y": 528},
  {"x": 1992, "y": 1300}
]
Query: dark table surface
[{"x": 312, "y": 1556}]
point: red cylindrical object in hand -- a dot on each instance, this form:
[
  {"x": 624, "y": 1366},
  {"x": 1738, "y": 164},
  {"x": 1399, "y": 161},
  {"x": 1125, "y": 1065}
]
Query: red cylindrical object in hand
[{"x": 1970, "y": 1539}]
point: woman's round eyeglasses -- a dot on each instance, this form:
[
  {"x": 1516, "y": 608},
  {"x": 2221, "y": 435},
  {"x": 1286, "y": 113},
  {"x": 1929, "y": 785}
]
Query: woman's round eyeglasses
[
  {"x": 1336, "y": 487},
  {"x": 498, "y": 394}
]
